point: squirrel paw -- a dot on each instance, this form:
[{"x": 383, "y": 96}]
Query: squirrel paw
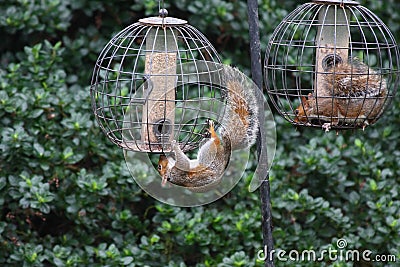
[
  {"x": 174, "y": 144},
  {"x": 365, "y": 124},
  {"x": 326, "y": 126},
  {"x": 210, "y": 126}
]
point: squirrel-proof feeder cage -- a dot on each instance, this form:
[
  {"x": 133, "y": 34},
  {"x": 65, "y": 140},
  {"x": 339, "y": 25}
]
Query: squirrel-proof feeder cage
[
  {"x": 152, "y": 83},
  {"x": 332, "y": 63}
]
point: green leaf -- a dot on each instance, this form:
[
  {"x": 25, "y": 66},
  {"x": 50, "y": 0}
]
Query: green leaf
[
  {"x": 67, "y": 153},
  {"x": 358, "y": 143},
  {"x": 373, "y": 185},
  {"x": 126, "y": 260},
  {"x": 39, "y": 149}
]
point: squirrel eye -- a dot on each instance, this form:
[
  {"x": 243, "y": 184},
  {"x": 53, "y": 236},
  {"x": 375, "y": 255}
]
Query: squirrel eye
[
  {"x": 296, "y": 112},
  {"x": 159, "y": 167}
]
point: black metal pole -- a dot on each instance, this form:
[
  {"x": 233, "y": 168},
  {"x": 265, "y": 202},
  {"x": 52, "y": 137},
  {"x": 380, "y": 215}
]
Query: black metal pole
[{"x": 262, "y": 169}]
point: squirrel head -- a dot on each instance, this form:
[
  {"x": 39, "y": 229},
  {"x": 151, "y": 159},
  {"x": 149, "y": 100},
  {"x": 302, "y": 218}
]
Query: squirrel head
[
  {"x": 303, "y": 110},
  {"x": 162, "y": 166}
]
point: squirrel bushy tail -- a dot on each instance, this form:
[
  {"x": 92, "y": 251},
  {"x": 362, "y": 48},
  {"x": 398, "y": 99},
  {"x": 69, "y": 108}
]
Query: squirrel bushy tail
[
  {"x": 239, "y": 127},
  {"x": 240, "y": 121}
]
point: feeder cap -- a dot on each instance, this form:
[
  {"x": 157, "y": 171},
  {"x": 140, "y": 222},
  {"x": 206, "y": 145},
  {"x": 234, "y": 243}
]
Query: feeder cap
[
  {"x": 163, "y": 20},
  {"x": 337, "y": 2}
]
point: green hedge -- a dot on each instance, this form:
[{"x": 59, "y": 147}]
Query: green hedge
[{"x": 67, "y": 198}]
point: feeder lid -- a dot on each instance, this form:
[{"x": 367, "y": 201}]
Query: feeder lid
[
  {"x": 339, "y": 2},
  {"x": 163, "y": 20}
]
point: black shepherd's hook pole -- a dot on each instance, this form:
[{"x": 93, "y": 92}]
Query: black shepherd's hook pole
[{"x": 256, "y": 73}]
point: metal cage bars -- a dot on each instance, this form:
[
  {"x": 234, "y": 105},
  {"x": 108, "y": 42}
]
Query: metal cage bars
[
  {"x": 120, "y": 84},
  {"x": 291, "y": 70}
]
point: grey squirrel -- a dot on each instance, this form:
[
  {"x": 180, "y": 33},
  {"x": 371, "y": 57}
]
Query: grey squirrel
[
  {"x": 357, "y": 96},
  {"x": 239, "y": 128}
]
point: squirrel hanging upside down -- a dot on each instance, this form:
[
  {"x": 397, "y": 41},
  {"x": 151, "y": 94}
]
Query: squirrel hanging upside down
[
  {"x": 357, "y": 96},
  {"x": 239, "y": 128}
]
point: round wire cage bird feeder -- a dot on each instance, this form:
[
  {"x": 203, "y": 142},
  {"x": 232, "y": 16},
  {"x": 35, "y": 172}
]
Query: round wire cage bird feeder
[
  {"x": 332, "y": 63},
  {"x": 155, "y": 81}
]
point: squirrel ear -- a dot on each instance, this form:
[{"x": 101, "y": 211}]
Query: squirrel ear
[{"x": 304, "y": 102}]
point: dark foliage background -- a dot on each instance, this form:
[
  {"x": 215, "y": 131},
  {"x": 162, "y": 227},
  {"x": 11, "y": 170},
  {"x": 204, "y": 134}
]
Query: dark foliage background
[{"x": 66, "y": 196}]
